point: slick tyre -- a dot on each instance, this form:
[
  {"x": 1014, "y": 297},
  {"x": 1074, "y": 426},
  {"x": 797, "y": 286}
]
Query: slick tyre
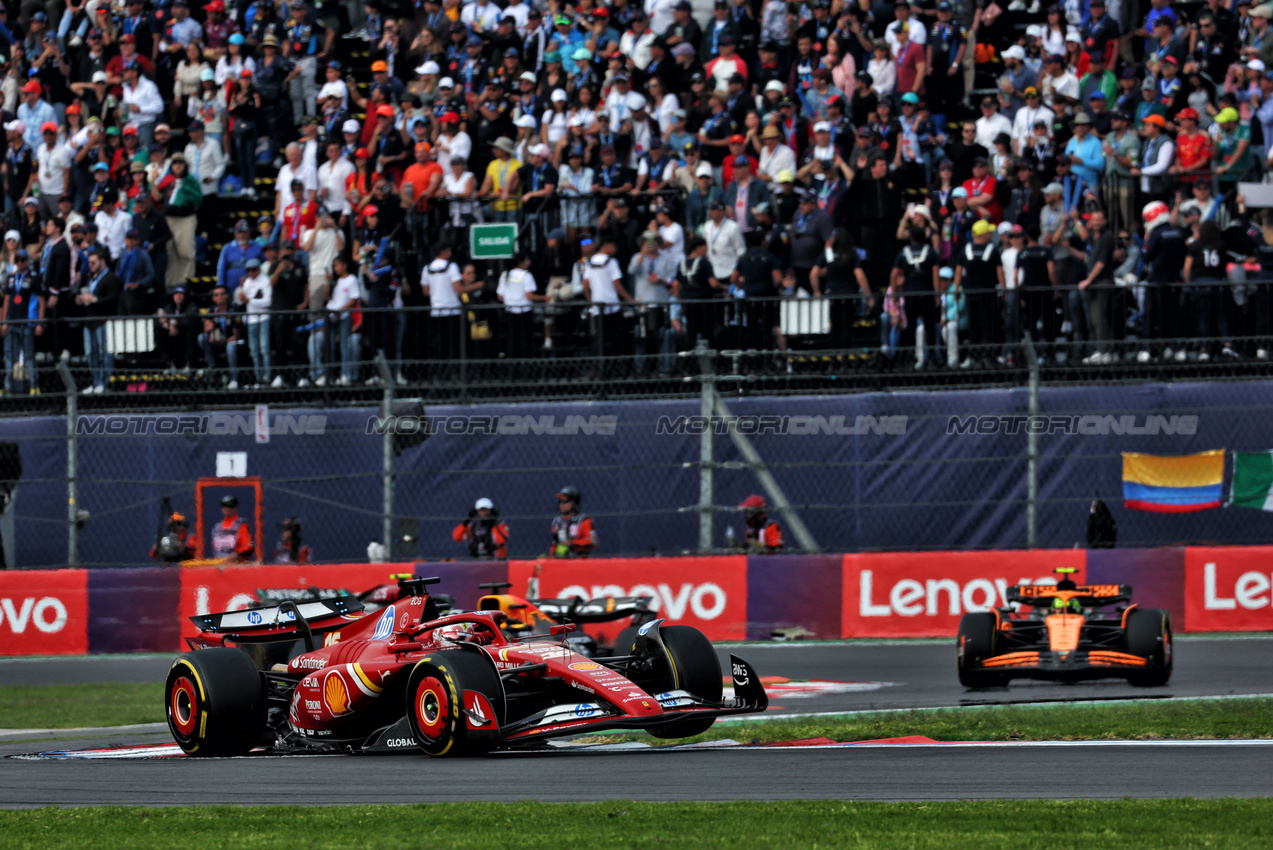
[
  {"x": 977, "y": 643},
  {"x": 691, "y": 665},
  {"x": 215, "y": 702},
  {"x": 1149, "y": 636},
  {"x": 446, "y": 717}
]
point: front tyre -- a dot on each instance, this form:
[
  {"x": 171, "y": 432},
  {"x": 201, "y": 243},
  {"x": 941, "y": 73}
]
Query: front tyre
[
  {"x": 442, "y": 722},
  {"x": 691, "y": 665},
  {"x": 1149, "y": 636},
  {"x": 215, "y": 702},
  {"x": 977, "y": 643}
]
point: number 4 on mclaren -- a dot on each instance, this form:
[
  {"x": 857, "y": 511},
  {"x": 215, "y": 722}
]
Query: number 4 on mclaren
[
  {"x": 405, "y": 679},
  {"x": 1066, "y": 632}
]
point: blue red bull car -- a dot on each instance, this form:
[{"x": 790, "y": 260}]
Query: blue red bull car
[
  {"x": 1066, "y": 632},
  {"x": 407, "y": 679}
]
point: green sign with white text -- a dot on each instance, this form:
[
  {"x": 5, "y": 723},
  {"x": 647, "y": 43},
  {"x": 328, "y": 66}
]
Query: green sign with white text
[{"x": 492, "y": 241}]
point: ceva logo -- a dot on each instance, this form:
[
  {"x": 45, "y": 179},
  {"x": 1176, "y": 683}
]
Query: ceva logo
[
  {"x": 934, "y": 597},
  {"x": 1250, "y": 591},
  {"x": 48, "y": 615},
  {"x": 706, "y": 601}
]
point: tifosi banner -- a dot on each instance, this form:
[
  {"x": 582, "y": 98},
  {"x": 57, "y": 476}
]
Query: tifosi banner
[
  {"x": 1229, "y": 588},
  {"x": 923, "y": 594},
  {"x": 709, "y": 594},
  {"x": 44, "y": 612}
]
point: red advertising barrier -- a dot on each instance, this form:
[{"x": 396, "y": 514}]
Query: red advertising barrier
[
  {"x": 1229, "y": 588},
  {"x": 923, "y": 594},
  {"x": 207, "y": 590},
  {"x": 44, "y": 612},
  {"x": 709, "y": 593}
]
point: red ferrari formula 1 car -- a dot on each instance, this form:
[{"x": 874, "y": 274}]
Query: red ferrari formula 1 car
[
  {"x": 407, "y": 679},
  {"x": 1066, "y": 632}
]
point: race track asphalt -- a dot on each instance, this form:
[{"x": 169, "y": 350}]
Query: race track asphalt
[
  {"x": 919, "y": 674},
  {"x": 848, "y": 773}
]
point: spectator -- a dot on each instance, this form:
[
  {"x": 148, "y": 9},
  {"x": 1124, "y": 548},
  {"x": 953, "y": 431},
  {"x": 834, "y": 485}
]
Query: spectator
[
  {"x": 21, "y": 321},
  {"x": 517, "y": 292},
  {"x": 141, "y": 289},
  {"x": 54, "y": 168},
  {"x": 181, "y": 196},
  {"x": 100, "y": 302},
  {"x": 178, "y": 328},
  {"x": 222, "y": 331},
  {"x": 256, "y": 292}
]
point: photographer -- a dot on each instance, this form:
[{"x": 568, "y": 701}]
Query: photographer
[
  {"x": 319, "y": 248},
  {"x": 486, "y": 535}
]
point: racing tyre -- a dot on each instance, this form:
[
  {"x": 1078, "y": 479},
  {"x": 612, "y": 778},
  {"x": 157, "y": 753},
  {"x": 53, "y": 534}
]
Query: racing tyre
[
  {"x": 216, "y": 703},
  {"x": 691, "y": 666},
  {"x": 455, "y": 704},
  {"x": 1149, "y": 636},
  {"x": 977, "y": 643}
]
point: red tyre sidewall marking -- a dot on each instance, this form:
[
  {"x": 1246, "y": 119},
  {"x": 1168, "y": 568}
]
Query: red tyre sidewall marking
[
  {"x": 185, "y": 726},
  {"x": 431, "y": 686}
]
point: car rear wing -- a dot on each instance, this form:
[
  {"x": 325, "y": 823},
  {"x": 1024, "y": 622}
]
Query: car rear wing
[
  {"x": 600, "y": 610},
  {"x": 270, "y": 596},
  {"x": 260, "y": 625},
  {"x": 1040, "y": 595}
]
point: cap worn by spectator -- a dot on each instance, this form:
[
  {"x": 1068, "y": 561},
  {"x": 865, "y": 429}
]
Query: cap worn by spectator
[
  {"x": 505, "y": 144},
  {"x": 1159, "y": 121},
  {"x": 1082, "y": 118},
  {"x": 703, "y": 170},
  {"x": 982, "y": 227},
  {"x": 1227, "y": 115},
  {"x": 959, "y": 192},
  {"x": 527, "y": 121},
  {"x": 1014, "y": 52},
  {"x": 384, "y": 111},
  {"x": 683, "y": 49}
]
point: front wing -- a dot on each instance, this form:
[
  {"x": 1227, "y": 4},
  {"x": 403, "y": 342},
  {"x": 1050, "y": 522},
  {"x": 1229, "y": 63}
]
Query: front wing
[{"x": 1072, "y": 665}]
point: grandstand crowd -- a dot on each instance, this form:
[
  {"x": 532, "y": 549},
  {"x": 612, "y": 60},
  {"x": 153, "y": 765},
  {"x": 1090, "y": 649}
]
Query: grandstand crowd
[{"x": 273, "y": 183}]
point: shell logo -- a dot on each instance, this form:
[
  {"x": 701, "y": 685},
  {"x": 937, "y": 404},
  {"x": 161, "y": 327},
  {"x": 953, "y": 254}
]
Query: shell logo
[
  {"x": 585, "y": 666},
  {"x": 336, "y": 693}
]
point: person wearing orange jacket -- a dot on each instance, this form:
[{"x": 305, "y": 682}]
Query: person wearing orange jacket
[
  {"x": 486, "y": 535},
  {"x": 231, "y": 539},
  {"x": 572, "y": 534},
  {"x": 762, "y": 536}
]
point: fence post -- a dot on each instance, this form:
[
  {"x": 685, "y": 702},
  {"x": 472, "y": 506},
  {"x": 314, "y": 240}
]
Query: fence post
[
  {"x": 706, "y": 449},
  {"x": 1032, "y": 445},
  {"x": 386, "y": 411},
  {"x": 72, "y": 466}
]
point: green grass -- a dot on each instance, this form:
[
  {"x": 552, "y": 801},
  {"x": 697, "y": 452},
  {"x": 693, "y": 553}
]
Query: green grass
[
  {"x": 69, "y": 706},
  {"x": 118, "y": 704},
  {"x": 526, "y": 826},
  {"x": 1228, "y": 718}
]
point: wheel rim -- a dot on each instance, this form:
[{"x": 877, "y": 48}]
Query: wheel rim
[
  {"x": 431, "y": 707},
  {"x": 183, "y": 706}
]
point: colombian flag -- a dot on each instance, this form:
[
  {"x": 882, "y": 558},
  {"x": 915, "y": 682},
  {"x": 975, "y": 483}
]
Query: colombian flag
[{"x": 1173, "y": 484}]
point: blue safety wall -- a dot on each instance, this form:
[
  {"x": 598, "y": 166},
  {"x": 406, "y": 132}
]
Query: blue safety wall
[{"x": 923, "y": 488}]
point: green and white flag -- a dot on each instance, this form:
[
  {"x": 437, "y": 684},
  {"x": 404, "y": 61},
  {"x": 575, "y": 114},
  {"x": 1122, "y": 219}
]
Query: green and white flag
[{"x": 1252, "y": 480}]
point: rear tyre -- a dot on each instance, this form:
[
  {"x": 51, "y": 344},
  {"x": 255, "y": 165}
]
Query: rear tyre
[
  {"x": 1149, "y": 636},
  {"x": 691, "y": 666},
  {"x": 437, "y": 704},
  {"x": 976, "y": 644},
  {"x": 216, "y": 703}
]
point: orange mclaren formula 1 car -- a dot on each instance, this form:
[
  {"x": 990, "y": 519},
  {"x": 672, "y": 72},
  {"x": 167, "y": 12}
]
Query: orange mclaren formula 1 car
[{"x": 1065, "y": 632}]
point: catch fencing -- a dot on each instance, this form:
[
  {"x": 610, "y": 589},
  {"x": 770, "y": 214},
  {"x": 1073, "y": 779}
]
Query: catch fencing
[{"x": 999, "y": 467}]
